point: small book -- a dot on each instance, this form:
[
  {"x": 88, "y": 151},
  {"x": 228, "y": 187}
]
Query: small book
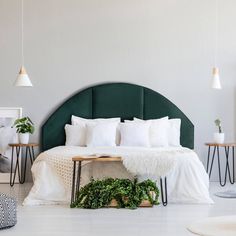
[
  {"x": 102, "y": 155},
  {"x": 98, "y": 156}
]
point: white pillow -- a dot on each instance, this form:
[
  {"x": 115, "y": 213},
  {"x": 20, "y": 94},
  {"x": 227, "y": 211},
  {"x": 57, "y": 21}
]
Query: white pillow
[
  {"x": 158, "y": 131},
  {"x": 174, "y": 132},
  {"x": 75, "y": 135},
  {"x": 101, "y": 134},
  {"x": 76, "y": 120},
  {"x": 135, "y": 134}
]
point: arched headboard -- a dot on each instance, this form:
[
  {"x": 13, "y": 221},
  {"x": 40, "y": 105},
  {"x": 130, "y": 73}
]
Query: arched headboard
[{"x": 113, "y": 100}]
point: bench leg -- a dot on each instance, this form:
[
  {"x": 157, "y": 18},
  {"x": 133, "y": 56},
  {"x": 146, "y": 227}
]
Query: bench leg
[
  {"x": 78, "y": 178},
  {"x": 164, "y": 196},
  {"x": 73, "y": 184}
]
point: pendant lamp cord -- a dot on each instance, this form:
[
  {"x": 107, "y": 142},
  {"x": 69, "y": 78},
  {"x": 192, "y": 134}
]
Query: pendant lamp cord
[
  {"x": 22, "y": 32},
  {"x": 216, "y": 32}
]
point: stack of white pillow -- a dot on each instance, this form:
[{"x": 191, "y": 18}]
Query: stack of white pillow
[{"x": 161, "y": 132}]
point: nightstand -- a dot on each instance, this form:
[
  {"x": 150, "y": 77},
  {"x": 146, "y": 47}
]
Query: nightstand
[
  {"x": 25, "y": 150},
  {"x": 226, "y": 147}
]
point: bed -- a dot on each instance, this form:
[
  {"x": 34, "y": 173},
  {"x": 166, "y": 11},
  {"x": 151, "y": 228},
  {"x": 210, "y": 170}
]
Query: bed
[{"x": 52, "y": 170}]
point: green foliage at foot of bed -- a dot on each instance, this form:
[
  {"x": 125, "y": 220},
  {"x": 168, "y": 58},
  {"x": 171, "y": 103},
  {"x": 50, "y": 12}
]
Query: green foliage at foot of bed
[{"x": 127, "y": 193}]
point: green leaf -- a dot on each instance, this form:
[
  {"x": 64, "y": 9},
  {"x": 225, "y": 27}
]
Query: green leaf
[
  {"x": 128, "y": 194},
  {"x": 24, "y": 125}
]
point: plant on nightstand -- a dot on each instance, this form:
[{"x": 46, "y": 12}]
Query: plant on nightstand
[
  {"x": 24, "y": 127},
  {"x": 219, "y": 137}
]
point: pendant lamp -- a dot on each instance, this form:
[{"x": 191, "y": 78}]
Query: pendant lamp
[
  {"x": 216, "y": 79},
  {"x": 215, "y": 83},
  {"x": 22, "y": 79}
]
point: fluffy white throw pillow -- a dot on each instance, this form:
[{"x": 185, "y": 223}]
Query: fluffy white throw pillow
[
  {"x": 174, "y": 132},
  {"x": 75, "y": 135},
  {"x": 135, "y": 134},
  {"x": 101, "y": 134},
  {"x": 158, "y": 131}
]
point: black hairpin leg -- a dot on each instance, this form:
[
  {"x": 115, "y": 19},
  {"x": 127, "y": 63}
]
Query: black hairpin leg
[
  {"x": 164, "y": 197},
  {"x": 33, "y": 156},
  {"x": 227, "y": 169},
  {"x": 24, "y": 167},
  {"x": 27, "y": 153},
  {"x": 78, "y": 179},
  {"x": 219, "y": 168},
  {"x": 208, "y": 158},
  {"x": 233, "y": 164},
  {"x": 17, "y": 166},
  {"x": 75, "y": 181},
  {"x": 12, "y": 153},
  {"x": 212, "y": 161}
]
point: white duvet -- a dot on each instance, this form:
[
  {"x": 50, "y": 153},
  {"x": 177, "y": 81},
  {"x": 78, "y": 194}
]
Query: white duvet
[{"x": 187, "y": 179}]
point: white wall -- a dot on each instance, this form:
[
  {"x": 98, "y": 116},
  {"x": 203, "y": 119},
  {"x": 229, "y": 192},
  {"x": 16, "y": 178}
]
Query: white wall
[{"x": 166, "y": 45}]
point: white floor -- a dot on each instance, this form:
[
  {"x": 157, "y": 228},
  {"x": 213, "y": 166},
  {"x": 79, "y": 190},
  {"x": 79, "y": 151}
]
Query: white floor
[{"x": 61, "y": 220}]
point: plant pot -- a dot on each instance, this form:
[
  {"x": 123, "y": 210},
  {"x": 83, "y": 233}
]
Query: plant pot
[
  {"x": 24, "y": 138},
  {"x": 219, "y": 138},
  {"x": 144, "y": 203}
]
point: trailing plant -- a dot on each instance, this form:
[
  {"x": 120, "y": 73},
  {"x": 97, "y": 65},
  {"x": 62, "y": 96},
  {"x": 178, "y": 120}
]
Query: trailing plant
[
  {"x": 218, "y": 124},
  {"x": 24, "y": 125},
  {"x": 127, "y": 193}
]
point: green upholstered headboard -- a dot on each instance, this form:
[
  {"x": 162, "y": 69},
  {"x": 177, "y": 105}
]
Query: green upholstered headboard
[{"x": 113, "y": 100}]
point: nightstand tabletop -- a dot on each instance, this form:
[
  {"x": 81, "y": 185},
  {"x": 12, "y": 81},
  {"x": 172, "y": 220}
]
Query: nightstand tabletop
[
  {"x": 221, "y": 144},
  {"x": 23, "y": 145}
]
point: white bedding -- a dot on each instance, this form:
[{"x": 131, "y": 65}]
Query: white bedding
[{"x": 187, "y": 179}]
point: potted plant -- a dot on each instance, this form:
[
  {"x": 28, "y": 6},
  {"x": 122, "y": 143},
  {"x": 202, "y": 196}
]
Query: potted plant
[
  {"x": 119, "y": 193},
  {"x": 219, "y": 137},
  {"x": 24, "y": 127}
]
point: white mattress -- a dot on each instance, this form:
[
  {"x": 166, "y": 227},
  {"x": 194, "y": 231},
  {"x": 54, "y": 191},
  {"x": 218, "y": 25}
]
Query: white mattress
[{"x": 188, "y": 181}]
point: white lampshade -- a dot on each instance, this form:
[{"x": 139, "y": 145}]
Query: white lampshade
[
  {"x": 23, "y": 79},
  {"x": 215, "y": 79}
]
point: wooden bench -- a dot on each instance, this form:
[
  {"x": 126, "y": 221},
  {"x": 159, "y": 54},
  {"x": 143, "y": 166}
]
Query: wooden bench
[{"x": 76, "y": 180}]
